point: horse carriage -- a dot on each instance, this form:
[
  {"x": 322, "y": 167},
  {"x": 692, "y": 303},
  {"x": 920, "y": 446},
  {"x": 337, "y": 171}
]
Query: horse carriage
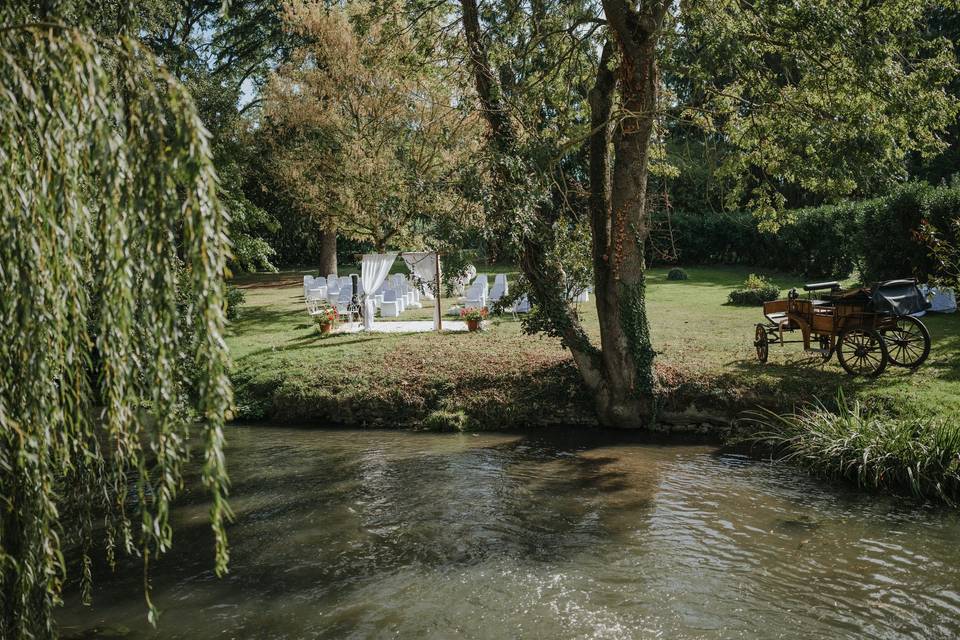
[{"x": 866, "y": 328}]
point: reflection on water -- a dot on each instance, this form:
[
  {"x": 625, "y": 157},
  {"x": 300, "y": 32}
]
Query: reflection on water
[{"x": 368, "y": 534}]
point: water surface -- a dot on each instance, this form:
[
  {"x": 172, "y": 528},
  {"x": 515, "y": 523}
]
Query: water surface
[{"x": 356, "y": 534}]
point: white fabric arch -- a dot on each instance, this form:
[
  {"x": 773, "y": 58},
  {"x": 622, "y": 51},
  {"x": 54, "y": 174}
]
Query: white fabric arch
[
  {"x": 373, "y": 271},
  {"x": 424, "y": 265}
]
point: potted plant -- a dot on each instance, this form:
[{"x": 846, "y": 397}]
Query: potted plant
[
  {"x": 326, "y": 318},
  {"x": 474, "y": 316}
]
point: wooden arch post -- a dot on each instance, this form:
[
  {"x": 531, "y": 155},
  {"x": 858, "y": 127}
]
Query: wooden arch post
[{"x": 436, "y": 293}]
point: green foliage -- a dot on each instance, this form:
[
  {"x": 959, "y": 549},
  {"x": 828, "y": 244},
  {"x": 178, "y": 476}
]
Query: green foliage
[
  {"x": 633, "y": 313},
  {"x": 921, "y": 456},
  {"x": 818, "y": 243},
  {"x": 828, "y": 97},
  {"x": 107, "y": 178},
  {"x": 909, "y": 232},
  {"x": 677, "y": 274},
  {"x": 442, "y": 420},
  {"x": 755, "y": 291},
  {"x": 891, "y": 231},
  {"x": 235, "y": 297}
]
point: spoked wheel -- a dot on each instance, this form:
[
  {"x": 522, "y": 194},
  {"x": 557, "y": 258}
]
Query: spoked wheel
[
  {"x": 862, "y": 352},
  {"x": 761, "y": 343},
  {"x": 825, "y": 351},
  {"x": 908, "y": 343}
]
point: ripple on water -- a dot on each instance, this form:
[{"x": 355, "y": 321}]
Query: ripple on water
[{"x": 369, "y": 534}]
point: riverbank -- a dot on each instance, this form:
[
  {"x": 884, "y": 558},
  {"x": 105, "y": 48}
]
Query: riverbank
[{"x": 284, "y": 371}]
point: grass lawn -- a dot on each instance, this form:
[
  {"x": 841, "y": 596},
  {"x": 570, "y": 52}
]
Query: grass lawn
[{"x": 501, "y": 378}]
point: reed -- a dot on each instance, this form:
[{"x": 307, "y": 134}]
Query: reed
[{"x": 920, "y": 456}]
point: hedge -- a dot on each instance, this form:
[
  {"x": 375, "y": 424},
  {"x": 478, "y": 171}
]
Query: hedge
[{"x": 877, "y": 236}]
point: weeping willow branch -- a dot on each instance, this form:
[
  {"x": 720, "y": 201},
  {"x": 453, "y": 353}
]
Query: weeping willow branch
[{"x": 112, "y": 356}]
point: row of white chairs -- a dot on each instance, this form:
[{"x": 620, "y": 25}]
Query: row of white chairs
[
  {"x": 395, "y": 295},
  {"x": 479, "y": 294}
]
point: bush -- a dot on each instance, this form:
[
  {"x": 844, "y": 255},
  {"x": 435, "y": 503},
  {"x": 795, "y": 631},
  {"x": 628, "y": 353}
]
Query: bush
[
  {"x": 677, "y": 274},
  {"x": 234, "y": 299},
  {"x": 873, "y": 450},
  {"x": 814, "y": 242},
  {"x": 882, "y": 237},
  {"x": 889, "y": 240},
  {"x": 755, "y": 291},
  {"x": 441, "y": 420}
]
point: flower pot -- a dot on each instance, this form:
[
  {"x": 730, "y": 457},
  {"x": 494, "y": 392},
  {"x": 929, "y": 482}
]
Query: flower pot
[
  {"x": 326, "y": 328},
  {"x": 473, "y": 325}
]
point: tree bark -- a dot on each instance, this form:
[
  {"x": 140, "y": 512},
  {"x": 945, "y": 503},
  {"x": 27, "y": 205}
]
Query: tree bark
[
  {"x": 619, "y": 213},
  {"x": 619, "y": 374},
  {"x": 328, "y": 252}
]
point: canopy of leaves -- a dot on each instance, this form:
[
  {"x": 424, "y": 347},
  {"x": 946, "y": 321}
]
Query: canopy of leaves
[
  {"x": 830, "y": 97},
  {"x": 366, "y": 135}
]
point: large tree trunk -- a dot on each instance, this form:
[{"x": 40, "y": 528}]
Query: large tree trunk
[
  {"x": 328, "y": 252},
  {"x": 619, "y": 374},
  {"x": 618, "y": 212}
]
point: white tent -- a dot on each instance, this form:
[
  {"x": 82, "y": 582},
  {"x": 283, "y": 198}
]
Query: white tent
[{"x": 425, "y": 267}]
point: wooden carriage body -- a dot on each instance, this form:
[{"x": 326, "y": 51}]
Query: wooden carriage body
[{"x": 853, "y": 317}]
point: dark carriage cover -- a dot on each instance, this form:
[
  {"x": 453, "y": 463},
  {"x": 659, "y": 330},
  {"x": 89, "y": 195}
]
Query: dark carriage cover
[{"x": 899, "y": 297}]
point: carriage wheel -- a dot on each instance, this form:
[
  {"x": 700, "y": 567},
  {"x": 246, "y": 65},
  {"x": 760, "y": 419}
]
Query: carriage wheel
[
  {"x": 908, "y": 343},
  {"x": 762, "y": 343},
  {"x": 862, "y": 352},
  {"x": 825, "y": 351}
]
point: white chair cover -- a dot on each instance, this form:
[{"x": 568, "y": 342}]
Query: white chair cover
[{"x": 942, "y": 299}]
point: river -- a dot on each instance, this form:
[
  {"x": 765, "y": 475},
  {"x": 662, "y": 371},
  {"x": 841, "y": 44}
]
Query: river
[{"x": 358, "y": 534}]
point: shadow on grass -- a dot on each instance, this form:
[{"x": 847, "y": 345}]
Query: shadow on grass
[
  {"x": 302, "y": 343},
  {"x": 261, "y": 318}
]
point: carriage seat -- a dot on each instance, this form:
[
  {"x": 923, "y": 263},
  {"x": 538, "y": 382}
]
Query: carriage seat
[{"x": 778, "y": 318}]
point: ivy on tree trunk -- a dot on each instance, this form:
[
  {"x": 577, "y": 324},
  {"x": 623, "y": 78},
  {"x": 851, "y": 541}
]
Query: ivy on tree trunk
[{"x": 619, "y": 373}]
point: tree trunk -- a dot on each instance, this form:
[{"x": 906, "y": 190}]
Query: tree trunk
[
  {"x": 328, "y": 252},
  {"x": 619, "y": 374},
  {"x": 619, "y": 213}
]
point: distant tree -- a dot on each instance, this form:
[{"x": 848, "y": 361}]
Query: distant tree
[
  {"x": 111, "y": 355},
  {"x": 366, "y": 136},
  {"x": 223, "y": 58}
]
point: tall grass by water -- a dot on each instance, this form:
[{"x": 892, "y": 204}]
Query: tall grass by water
[{"x": 920, "y": 456}]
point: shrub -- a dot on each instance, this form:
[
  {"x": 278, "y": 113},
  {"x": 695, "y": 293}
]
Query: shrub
[
  {"x": 875, "y": 451},
  {"x": 885, "y": 237},
  {"x": 755, "y": 291},
  {"x": 814, "y": 242},
  {"x": 234, "y": 299},
  {"x": 677, "y": 274},
  {"x": 441, "y": 420},
  {"x": 890, "y": 240}
]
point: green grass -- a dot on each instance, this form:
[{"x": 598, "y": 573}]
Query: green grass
[{"x": 284, "y": 370}]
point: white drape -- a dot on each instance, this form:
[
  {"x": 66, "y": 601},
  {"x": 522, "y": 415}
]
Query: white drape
[
  {"x": 373, "y": 271},
  {"x": 423, "y": 266}
]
